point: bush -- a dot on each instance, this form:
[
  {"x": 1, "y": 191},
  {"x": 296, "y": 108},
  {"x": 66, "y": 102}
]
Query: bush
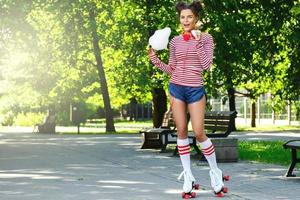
[
  {"x": 8, "y": 119},
  {"x": 29, "y": 119},
  {"x": 63, "y": 119}
]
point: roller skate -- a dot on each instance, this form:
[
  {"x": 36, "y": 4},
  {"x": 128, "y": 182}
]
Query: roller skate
[
  {"x": 217, "y": 182},
  {"x": 188, "y": 185}
]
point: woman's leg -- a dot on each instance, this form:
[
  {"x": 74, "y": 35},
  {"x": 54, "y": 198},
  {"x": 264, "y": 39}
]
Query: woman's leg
[
  {"x": 179, "y": 113},
  {"x": 197, "y": 113},
  {"x": 183, "y": 144}
]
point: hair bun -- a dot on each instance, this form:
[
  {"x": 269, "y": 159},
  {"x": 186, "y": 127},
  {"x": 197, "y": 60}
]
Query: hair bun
[
  {"x": 197, "y": 5},
  {"x": 180, "y": 6}
]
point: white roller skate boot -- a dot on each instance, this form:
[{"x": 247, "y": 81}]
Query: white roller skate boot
[
  {"x": 217, "y": 183},
  {"x": 188, "y": 185}
]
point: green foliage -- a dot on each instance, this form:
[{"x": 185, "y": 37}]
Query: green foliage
[
  {"x": 29, "y": 119},
  {"x": 63, "y": 119},
  {"x": 296, "y": 108},
  {"x": 264, "y": 151},
  {"x": 47, "y": 58},
  {"x": 7, "y": 119},
  {"x": 250, "y": 37}
]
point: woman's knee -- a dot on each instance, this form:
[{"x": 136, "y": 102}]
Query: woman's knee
[
  {"x": 181, "y": 133},
  {"x": 201, "y": 137}
]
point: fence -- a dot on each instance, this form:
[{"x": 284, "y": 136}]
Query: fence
[
  {"x": 136, "y": 111},
  {"x": 289, "y": 115},
  {"x": 264, "y": 112}
]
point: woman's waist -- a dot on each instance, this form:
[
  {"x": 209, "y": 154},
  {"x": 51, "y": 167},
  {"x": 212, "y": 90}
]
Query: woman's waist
[
  {"x": 186, "y": 82},
  {"x": 188, "y": 69},
  {"x": 183, "y": 63}
]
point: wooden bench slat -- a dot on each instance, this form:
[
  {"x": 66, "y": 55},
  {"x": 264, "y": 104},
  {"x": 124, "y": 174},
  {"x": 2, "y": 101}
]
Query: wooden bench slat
[
  {"x": 217, "y": 128},
  {"x": 217, "y": 117},
  {"x": 292, "y": 144},
  {"x": 224, "y": 113},
  {"x": 156, "y": 130},
  {"x": 209, "y": 122}
]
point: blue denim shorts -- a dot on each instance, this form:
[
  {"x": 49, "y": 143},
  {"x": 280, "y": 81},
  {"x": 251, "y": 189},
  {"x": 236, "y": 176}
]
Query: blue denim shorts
[{"x": 186, "y": 93}]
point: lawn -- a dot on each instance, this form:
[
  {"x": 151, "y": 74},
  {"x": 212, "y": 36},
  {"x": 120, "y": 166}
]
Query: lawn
[
  {"x": 264, "y": 151},
  {"x": 268, "y": 128}
]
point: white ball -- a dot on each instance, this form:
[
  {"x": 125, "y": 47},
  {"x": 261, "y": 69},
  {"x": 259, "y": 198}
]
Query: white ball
[{"x": 160, "y": 39}]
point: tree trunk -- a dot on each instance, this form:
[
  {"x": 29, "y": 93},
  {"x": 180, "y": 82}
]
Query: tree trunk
[
  {"x": 132, "y": 107},
  {"x": 103, "y": 84},
  {"x": 159, "y": 99},
  {"x": 231, "y": 97},
  {"x": 253, "y": 114}
]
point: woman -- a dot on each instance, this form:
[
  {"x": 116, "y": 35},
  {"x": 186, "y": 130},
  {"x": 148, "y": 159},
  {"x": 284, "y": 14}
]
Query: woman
[{"x": 190, "y": 54}]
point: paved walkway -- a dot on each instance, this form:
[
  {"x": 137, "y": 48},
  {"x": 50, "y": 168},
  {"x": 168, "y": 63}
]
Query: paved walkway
[
  {"x": 112, "y": 167},
  {"x": 267, "y": 135}
]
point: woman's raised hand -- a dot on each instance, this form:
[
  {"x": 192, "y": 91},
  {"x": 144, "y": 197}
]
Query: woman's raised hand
[
  {"x": 197, "y": 34},
  {"x": 151, "y": 52}
]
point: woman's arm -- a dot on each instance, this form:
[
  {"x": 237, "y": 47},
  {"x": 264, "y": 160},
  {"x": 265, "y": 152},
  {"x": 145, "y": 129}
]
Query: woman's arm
[
  {"x": 205, "y": 50},
  {"x": 158, "y": 63}
]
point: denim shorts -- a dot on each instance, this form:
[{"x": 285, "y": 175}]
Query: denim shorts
[{"x": 186, "y": 93}]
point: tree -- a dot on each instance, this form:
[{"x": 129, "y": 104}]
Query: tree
[
  {"x": 291, "y": 46},
  {"x": 135, "y": 22},
  {"x": 103, "y": 83},
  {"x": 248, "y": 46}
]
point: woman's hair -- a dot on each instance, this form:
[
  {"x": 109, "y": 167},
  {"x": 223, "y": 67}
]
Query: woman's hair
[{"x": 195, "y": 7}]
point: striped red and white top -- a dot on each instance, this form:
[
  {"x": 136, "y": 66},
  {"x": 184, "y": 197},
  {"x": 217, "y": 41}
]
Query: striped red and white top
[{"x": 187, "y": 60}]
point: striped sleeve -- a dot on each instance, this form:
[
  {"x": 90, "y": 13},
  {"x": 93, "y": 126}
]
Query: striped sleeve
[
  {"x": 205, "y": 50},
  {"x": 172, "y": 60}
]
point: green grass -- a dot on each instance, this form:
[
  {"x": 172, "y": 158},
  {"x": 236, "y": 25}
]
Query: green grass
[
  {"x": 264, "y": 151},
  {"x": 269, "y": 152},
  {"x": 268, "y": 128}
]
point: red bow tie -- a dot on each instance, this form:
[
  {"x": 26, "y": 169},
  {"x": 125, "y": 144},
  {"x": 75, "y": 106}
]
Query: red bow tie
[{"x": 186, "y": 36}]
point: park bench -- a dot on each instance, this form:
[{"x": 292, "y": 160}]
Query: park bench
[
  {"x": 294, "y": 145},
  {"x": 48, "y": 126},
  {"x": 153, "y": 137},
  {"x": 218, "y": 125},
  {"x": 159, "y": 137}
]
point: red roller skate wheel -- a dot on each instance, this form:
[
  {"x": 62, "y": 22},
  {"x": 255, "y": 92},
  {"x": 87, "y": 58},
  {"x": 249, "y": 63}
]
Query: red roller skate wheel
[
  {"x": 226, "y": 178},
  {"x": 225, "y": 189},
  {"x": 219, "y": 194},
  {"x": 193, "y": 194},
  {"x": 186, "y": 195},
  {"x": 196, "y": 186}
]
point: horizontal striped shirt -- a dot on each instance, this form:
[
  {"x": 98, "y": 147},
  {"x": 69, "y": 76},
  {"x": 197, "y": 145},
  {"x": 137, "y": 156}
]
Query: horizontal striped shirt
[{"x": 187, "y": 60}]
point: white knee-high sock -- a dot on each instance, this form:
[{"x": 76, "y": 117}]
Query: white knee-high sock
[
  {"x": 208, "y": 150},
  {"x": 184, "y": 152}
]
